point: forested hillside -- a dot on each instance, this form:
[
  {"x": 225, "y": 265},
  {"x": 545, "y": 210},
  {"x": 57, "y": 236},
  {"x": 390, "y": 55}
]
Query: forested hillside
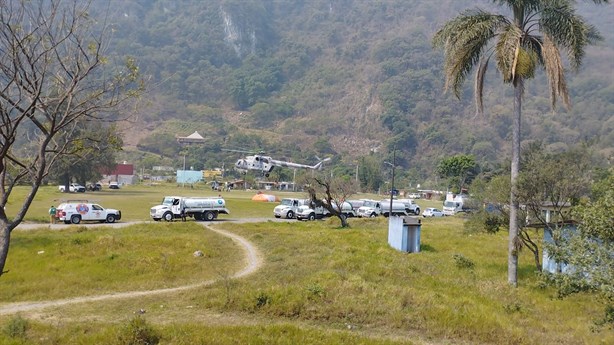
[{"x": 346, "y": 78}]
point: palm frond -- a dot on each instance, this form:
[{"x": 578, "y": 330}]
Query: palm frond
[
  {"x": 479, "y": 86},
  {"x": 507, "y": 50},
  {"x": 464, "y": 39},
  {"x": 519, "y": 47},
  {"x": 526, "y": 5},
  {"x": 568, "y": 31},
  {"x": 555, "y": 72},
  {"x": 534, "y": 43}
]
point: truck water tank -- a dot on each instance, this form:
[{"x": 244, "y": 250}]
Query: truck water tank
[{"x": 204, "y": 202}]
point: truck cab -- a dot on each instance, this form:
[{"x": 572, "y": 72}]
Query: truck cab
[
  {"x": 369, "y": 209},
  {"x": 288, "y": 208},
  {"x": 410, "y": 206},
  {"x": 455, "y": 203},
  {"x": 305, "y": 212}
]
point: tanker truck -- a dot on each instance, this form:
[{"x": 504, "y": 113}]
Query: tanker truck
[
  {"x": 372, "y": 208},
  {"x": 199, "y": 208}
]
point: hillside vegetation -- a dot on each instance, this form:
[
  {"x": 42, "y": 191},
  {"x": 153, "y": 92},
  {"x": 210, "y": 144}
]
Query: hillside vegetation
[{"x": 343, "y": 78}]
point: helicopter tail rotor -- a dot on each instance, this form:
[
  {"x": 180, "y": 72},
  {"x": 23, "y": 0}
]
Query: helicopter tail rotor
[{"x": 320, "y": 162}]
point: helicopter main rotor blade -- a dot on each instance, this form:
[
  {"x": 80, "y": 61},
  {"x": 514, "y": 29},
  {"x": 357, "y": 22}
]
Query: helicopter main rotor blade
[
  {"x": 296, "y": 165},
  {"x": 240, "y": 151}
]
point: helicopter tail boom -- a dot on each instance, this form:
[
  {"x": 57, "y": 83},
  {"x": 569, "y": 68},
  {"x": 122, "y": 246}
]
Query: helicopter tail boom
[{"x": 296, "y": 165}]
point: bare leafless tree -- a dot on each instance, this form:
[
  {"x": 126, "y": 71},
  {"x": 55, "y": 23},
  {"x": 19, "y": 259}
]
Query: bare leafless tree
[
  {"x": 53, "y": 74},
  {"x": 330, "y": 193}
]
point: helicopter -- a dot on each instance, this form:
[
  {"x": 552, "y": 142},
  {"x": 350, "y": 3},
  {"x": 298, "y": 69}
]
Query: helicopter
[{"x": 265, "y": 164}]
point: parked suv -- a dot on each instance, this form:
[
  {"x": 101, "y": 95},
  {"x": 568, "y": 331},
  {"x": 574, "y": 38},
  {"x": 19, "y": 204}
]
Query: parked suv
[
  {"x": 432, "y": 212},
  {"x": 75, "y": 211},
  {"x": 94, "y": 186}
]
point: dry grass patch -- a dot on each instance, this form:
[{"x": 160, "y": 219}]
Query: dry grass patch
[{"x": 81, "y": 261}]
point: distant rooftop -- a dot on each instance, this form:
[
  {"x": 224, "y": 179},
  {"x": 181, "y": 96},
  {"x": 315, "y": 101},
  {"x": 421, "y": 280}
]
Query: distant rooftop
[{"x": 191, "y": 139}]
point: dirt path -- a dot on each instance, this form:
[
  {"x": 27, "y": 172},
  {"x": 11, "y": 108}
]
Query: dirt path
[{"x": 253, "y": 262}]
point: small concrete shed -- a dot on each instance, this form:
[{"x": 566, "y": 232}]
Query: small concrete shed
[{"x": 404, "y": 233}]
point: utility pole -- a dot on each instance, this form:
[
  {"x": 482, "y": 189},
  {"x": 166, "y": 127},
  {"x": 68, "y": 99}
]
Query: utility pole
[
  {"x": 183, "y": 172},
  {"x": 394, "y": 162}
]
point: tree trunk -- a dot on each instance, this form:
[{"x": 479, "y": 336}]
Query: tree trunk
[
  {"x": 66, "y": 180},
  {"x": 538, "y": 264},
  {"x": 532, "y": 246},
  {"x": 5, "y": 240},
  {"x": 512, "y": 259}
]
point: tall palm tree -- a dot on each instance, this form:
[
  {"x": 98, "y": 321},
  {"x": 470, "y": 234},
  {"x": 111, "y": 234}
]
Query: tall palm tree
[{"x": 535, "y": 36}]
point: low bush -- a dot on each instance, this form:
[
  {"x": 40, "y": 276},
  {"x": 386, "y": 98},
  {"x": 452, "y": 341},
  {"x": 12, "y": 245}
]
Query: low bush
[
  {"x": 16, "y": 327},
  {"x": 138, "y": 332}
]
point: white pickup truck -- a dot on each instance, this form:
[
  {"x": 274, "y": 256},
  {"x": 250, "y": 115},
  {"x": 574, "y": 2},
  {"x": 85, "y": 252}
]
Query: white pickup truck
[
  {"x": 73, "y": 188},
  {"x": 75, "y": 211}
]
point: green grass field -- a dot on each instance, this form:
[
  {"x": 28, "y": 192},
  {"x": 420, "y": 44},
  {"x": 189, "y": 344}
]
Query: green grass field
[
  {"x": 319, "y": 284},
  {"x": 135, "y": 201}
]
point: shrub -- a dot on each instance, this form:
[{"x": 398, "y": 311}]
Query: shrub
[
  {"x": 137, "y": 332},
  {"x": 609, "y": 316},
  {"x": 463, "y": 262},
  {"x": 492, "y": 224},
  {"x": 315, "y": 290},
  {"x": 16, "y": 327},
  {"x": 514, "y": 307},
  {"x": 262, "y": 299}
]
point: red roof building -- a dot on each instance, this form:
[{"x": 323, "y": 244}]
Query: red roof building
[
  {"x": 123, "y": 173},
  {"x": 122, "y": 169}
]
